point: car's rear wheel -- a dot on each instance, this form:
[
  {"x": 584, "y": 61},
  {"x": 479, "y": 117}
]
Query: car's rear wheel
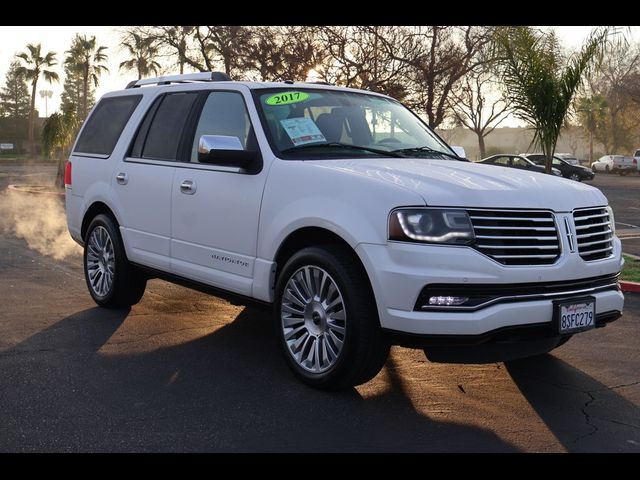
[
  {"x": 112, "y": 281},
  {"x": 326, "y": 319}
]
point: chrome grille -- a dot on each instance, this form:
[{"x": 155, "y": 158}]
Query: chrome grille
[
  {"x": 516, "y": 237},
  {"x": 594, "y": 233}
]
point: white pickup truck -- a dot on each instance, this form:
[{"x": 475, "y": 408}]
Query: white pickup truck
[{"x": 625, "y": 165}]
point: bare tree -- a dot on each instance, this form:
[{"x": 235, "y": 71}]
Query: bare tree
[
  {"x": 282, "y": 53},
  {"x": 620, "y": 64},
  {"x": 445, "y": 55},
  {"x": 174, "y": 43},
  {"x": 478, "y": 105},
  {"x": 368, "y": 57}
]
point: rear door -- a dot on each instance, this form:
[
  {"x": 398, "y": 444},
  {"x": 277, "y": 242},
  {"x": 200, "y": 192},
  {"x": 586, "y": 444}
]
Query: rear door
[{"x": 143, "y": 181}]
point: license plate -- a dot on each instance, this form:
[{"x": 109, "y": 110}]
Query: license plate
[{"x": 575, "y": 315}]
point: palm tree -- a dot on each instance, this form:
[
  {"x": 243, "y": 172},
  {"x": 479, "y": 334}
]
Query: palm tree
[
  {"x": 143, "y": 51},
  {"x": 35, "y": 64},
  {"x": 540, "y": 83},
  {"x": 86, "y": 58}
]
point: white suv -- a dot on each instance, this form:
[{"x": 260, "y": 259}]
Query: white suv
[{"x": 344, "y": 212}]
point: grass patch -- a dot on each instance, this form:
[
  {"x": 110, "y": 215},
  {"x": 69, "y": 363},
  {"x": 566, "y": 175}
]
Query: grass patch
[{"x": 631, "y": 270}]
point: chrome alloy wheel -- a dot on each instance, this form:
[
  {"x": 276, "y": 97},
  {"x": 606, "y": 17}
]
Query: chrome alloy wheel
[
  {"x": 575, "y": 177},
  {"x": 101, "y": 261},
  {"x": 313, "y": 319}
]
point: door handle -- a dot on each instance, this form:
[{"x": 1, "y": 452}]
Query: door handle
[
  {"x": 188, "y": 187},
  {"x": 122, "y": 178}
]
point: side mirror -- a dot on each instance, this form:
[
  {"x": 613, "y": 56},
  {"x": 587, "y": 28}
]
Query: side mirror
[
  {"x": 225, "y": 151},
  {"x": 459, "y": 151}
]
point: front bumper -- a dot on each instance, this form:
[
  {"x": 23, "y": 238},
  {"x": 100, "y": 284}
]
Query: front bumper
[{"x": 399, "y": 272}]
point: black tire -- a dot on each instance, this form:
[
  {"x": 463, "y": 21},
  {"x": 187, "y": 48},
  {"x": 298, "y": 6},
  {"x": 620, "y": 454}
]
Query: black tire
[
  {"x": 365, "y": 348},
  {"x": 129, "y": 283},
  {"x": 575, "y": 177},
  {"x": 606, "y": 169}
]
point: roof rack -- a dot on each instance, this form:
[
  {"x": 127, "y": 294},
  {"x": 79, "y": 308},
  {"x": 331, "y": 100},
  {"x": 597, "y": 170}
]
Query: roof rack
[{"x": 185, "y": 78}]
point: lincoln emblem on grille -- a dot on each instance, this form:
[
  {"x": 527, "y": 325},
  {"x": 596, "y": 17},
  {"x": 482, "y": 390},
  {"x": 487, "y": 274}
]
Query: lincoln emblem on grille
[{"x": 569, "y": 233}]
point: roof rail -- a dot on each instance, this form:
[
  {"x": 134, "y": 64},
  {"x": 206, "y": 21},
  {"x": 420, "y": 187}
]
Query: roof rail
[{"x": 185, "y": 78}]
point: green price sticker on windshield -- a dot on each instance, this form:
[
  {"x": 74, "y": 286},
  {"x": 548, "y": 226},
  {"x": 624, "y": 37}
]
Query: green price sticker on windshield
[{"x": 286, "y": 98}]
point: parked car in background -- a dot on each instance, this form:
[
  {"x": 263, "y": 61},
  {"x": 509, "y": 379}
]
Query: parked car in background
[
  {"x": 515, "y": 161},
  {"x": 567, "y": 157},
  {"x": 572, "y": 171},
  {"x": 603, "y": 164}
]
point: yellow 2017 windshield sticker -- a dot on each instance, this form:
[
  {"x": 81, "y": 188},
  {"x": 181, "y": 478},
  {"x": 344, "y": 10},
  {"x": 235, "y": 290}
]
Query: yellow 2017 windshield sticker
[{"x": 286, "y": 98}]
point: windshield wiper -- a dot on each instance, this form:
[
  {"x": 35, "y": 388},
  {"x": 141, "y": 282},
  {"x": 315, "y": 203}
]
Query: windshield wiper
[
  {"x": 386, "y": 153},
  {"x": 429, "y": 150}
]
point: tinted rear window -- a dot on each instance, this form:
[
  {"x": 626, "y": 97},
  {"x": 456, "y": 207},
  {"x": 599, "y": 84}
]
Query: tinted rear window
[
  {"x": 167, "y": 125},
  {"x": 104, "y": 126}
]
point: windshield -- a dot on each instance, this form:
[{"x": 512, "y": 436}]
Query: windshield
[{"x": 337, "y": 124}]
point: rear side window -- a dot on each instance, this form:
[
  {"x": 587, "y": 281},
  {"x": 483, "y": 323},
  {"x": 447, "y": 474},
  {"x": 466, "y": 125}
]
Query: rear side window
[
  {"x": 160, "y": 133},
  {"x": 104, "y": 126}
]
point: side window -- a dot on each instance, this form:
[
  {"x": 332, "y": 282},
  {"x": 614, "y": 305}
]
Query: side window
[
  {"x": 520, "y": 163},
  {"x": 106, "y": 123},
  {"x": 504, "y": 161},
  {"x": 160, "y": 133},
  {"x": 224, "y": 113}
]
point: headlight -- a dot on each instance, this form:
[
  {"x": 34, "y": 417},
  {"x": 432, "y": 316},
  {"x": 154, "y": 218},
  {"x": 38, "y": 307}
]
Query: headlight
[
  {"x": 612, "y": 219},
  {"x": 431, "y": 226}
]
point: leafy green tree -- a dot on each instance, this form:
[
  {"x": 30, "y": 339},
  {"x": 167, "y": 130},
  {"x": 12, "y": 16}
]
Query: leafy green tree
[
  {"x": 540, "y": 83},
  {"x": 87, "y": 59},
  {"x": 73, "y": 90},
  {"x": 58, "y": 134},
  {"x": 14, "y": 107},
  {"x": 34, "y": 65},
  {"x": 142, "y": 51},
  {"x": 14, "y": 96}
]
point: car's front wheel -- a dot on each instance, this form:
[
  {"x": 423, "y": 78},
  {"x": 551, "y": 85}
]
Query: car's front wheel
[
  {"x": 326, "y": 319},
  {"x": 112, "y": 281},
  {"x": 575, "y": 177}
]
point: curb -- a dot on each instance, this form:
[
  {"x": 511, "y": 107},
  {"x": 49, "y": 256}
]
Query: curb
[
  {"x": 629, "y": 287},
  {"x": 16, "y": 188}
]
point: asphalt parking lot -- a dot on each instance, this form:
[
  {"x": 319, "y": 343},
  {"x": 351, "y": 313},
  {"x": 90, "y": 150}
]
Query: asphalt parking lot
[
  {"x": 183, "y": 371},
  {"x": 623, "y": 193}
]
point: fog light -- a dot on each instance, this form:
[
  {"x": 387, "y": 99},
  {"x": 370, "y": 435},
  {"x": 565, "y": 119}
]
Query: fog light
[{"x": 448, "y": 301}]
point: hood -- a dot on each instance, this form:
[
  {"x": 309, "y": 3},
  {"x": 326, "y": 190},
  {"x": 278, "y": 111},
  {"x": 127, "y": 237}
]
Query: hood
[{"x": 465, "y": 184}]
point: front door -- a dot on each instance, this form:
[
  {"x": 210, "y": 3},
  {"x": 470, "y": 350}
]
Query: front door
[{"x": 215, "y": 210}]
